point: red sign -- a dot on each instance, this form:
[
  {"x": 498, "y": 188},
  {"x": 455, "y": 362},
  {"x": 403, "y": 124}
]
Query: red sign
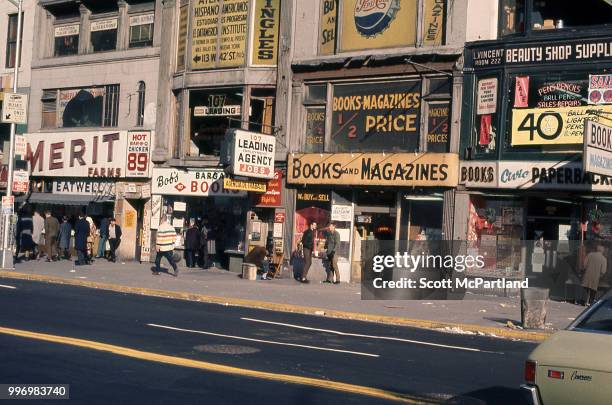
[
  {"x": 272, "y": 197},
  {"x": 279, "y": 217},
  {"x": 21, "y": 181},
  {"x": 521, "y": 92}
]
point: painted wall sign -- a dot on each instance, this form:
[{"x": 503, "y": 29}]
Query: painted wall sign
[
  {"x": 478, "y": 174},
  {"x": 81, "y": 154},
  {"x": 558, "y": 126},
  {"x": 218, "y": 33},
  {"x": 252, "y": 154},
  {"x": 433, "y": 22},
  {"x": 438, "y": 128},
  {"x": 376, "y": 116},
  {"x": 374, "y": 169},
  {"x": 486, "y": 99},
  {"x": 550, "y": 176},
  {"x": 597, "y": 148},
  {"x": 368, "y": 24},
  {"x": 203, "y": 182},
  {"x": 103, "y": 25},
  {"x": 328, "y": 27},
  {"x": 315, "y": 129},
  {"x": 265, "y": 35},
  {"x": 600, "y": 89},
  {"x": 550, "y": 52}
]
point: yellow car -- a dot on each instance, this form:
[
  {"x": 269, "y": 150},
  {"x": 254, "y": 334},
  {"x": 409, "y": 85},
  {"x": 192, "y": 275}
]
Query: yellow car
[{"x": 574, "y": 366}]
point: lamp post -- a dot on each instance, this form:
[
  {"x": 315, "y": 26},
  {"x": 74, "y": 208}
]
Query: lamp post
[{"x": 7, "y": 252}]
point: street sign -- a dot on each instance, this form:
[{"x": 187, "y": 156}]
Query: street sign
[
  {"x": 21, "y": 146},
  {"x": 8, "y": 204},
  {"x": 15, "y": 108},
  {"x": 597, "y": 148},
  {"x": 21, "y": 181}
]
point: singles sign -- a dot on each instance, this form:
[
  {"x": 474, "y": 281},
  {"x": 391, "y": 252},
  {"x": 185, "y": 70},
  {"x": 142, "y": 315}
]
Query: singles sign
[
  {"x": 251, "y": 154},
  {"x": 374, "y": 169},
  {"x": 88, "y": 154},
  {"x": 597, "y": 148}
]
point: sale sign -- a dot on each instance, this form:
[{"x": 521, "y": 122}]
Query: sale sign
[{"x": 138, "y": 153}]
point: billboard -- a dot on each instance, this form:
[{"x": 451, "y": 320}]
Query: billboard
[{"x": 597, "y": 148}]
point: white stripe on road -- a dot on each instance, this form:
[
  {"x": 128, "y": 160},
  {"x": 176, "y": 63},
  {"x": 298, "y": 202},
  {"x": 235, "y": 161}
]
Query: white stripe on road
[
  {"x": 8, "y": 286},
  {"x": 262, "y": 341},
  {"x": 419, "y": 342}
]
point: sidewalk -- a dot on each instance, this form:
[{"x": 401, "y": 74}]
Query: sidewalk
[{"x": 475, "y": 314}]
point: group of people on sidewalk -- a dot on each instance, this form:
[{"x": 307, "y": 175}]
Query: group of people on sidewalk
[
  {"x": 332, "y": 244},
  {"x": 39, "y": 237}
]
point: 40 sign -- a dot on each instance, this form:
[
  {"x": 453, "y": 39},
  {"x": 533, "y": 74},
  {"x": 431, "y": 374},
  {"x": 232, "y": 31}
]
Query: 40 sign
[{"x": 559, "y": 126}]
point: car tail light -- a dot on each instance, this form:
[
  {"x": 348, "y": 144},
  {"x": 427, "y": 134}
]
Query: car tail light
[
  {"x": 530, "y": 371},
  {"x": 559, "y": 375}
]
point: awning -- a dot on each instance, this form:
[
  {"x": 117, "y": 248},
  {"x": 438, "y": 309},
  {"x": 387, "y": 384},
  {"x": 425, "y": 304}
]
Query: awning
[{"x": 63, "y": 199}]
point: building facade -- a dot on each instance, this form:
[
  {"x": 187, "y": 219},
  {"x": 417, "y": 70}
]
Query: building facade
[
  {"x": 527, "y": 93},
  {"x": 92, "y": 112},
  {"x": 376, "y": 97}
]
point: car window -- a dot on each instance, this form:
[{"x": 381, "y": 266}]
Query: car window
[{"x": 600, "y": 319}]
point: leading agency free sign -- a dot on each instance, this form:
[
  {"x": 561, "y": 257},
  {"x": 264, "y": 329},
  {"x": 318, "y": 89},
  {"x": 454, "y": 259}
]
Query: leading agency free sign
[{"x": 252, "y": 154}]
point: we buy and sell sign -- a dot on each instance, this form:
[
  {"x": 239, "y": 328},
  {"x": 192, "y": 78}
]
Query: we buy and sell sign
[{"x": 253, "y": 154}]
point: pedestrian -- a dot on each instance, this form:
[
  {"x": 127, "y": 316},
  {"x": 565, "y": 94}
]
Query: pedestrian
[
  {"x": 203, "y": 255},
  {"x": 90, "y": 238},
  {"x": 103, "y": 238},
  {"x": 331, "y": 247},
  {"x": 308, "y": 239},
  {"x": 166, "y": 238},
  {"x": 38, "y": 226},
  {"x": 81, "y": 233},
  {"x": 114, "y": 239},
  {"x": 63, "y": 237},
  {"x": 51, "y": 232},
  {"x": 24, "y": 233},
  {"x": 595, "y": 266},
  {"x": 192, "y": 243}
]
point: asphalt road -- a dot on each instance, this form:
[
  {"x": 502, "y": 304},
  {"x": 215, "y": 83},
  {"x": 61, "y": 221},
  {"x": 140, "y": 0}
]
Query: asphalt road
[{"x": 404, "y": 362}]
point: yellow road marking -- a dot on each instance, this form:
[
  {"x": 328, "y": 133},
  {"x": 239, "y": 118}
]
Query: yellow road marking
[{"x": 219, "y": 368}]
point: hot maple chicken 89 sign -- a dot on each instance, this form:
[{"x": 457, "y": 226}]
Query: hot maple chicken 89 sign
[{"x": 251, "y": 154}]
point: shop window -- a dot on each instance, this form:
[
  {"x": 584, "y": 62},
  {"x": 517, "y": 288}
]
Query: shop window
[
  {"x": 312, "y": 206},
  {"x": 11, "y": 40},
  {"x": 104, "y": 35},
  {"x": 141, "y": 104},
  {"x": 81, "y": 107},
  {"x": 315, "y": 130},
  {"x": 66, "y": 40},
  {"x": 512, "y": 20},
  {"x": 261, "y": 112},
  {"x": 141, "y": 30},
  {"x": 212, "y": 113},
  {"x": 558, "y": 14},
  {"x": 438, "y": 126}
]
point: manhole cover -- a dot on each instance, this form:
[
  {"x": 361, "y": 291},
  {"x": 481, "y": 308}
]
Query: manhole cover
[{"x": 226, "y": 349}]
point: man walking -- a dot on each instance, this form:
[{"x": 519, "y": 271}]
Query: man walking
[
  {"x": 114, "y": 239},
  {"x": 81, "y": 232},
  {"x": 332, "y": 245},
  {"x": 595, "y": 266},
  {"x": 308, "y": 239},
  {"x": 166, "y": 237},
  {"x": 51, "y": 231},
  {"x": 192, "y": 243},
  {"x": 103, "y": 238}
]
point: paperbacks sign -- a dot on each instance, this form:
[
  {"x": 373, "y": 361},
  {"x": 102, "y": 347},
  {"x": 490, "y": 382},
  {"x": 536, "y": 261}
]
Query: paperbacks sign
[{"x": 374, "y": 169}]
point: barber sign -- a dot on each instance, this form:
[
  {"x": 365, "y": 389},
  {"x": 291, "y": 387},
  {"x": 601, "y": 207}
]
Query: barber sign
[{"x": 252, "y": 154}]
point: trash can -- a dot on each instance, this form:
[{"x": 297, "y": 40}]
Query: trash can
[
  {"x": 534, "y": 307},
  {"x": 249, "y": 271}
]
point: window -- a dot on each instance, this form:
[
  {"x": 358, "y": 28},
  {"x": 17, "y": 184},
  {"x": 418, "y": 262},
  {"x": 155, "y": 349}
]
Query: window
[
  {"x": 104, "y": 35},
  {"x": 598, "y": 319},
  {"x": 513, "y": 17},
  {"x": 141, "y": 30},
  {"x": 80, "y": 107},
  {"x": 314, "y": 101},
  {"x": 11, "y": 40},
  {"x": 66, "y": 39},
  {"x": 486, "y": 115},
  {"x": 261, "y": 113},
  {"x": 141, "y": 104}
]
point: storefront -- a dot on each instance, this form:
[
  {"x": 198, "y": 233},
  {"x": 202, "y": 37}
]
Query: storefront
[
  {"x": 370, "y": 196},
  {"x": 198, "y": 194},
  {"x": 102, "y": 174}
]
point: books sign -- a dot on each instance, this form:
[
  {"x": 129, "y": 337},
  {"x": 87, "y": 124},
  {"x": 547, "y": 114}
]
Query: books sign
[{"x": 597, "y": 148}]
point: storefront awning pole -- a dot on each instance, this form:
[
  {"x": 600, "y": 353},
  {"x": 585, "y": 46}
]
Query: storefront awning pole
[{"x": 7, "y": 252}]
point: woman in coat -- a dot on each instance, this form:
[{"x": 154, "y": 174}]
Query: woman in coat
[
  {"x": 81, "y": 233},
  {"x": 63, "y": 238}
]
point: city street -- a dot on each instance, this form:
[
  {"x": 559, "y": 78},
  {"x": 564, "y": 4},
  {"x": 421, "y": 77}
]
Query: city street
[{"x": 139, "y": 349}]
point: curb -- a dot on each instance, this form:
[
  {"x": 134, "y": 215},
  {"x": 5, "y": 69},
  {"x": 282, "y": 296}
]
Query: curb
[{"x": 535, "y": 336}]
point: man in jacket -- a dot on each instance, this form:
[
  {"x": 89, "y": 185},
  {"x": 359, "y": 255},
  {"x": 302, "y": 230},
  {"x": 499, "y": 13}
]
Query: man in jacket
[
  {"x": 595, "y": 266},
  {"x": 308, "y": 239},
  {"x": 51, "y": 231},
  {"x": 81, "y": 232},
  {"x": 332, "y": 245},
  {"x": 192, "y": 243},
  {"x": 38, "y": 226},
  {"x": 166, "y": 238},
  {"x": 63, "y": 238},
  {"x": 103, "y": 237},
  {"x": 114, "y": 239}
]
